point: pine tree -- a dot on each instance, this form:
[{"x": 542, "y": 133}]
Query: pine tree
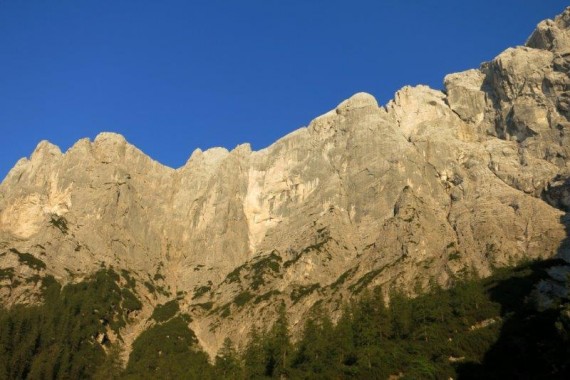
[
  {"x": 254, "y": 358},
  {"x": 111, "y": 366},
  {"x": 227, "y": 362},
  {"x": 400, "y": 312},
  {"x": 279, "y": 345},
  {"x": 343, "y": 339}
]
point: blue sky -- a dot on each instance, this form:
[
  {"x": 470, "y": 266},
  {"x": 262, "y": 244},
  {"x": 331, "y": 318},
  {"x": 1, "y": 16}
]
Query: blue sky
[{"x": 172, "y": 76}]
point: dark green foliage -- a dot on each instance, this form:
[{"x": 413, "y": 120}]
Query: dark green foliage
[
  {"x": 278, "y": 346},
  {"x": 529, "y": 345},
  {"x": 271, "y": 262},
  {"x": 234, "y": 276},
  {"x": 165, "y": 312},
  {"x": 303, "y": 291},
  {"x": 131, "y": 283},
  {"x": 29, "y": 260},
  {"x": 254, "y": 356},
  {"x": 266, "y": 296},
  {"x": 228, "y": 365},
  {"x": 111, "y": 367},
  {"x": 364, "y": 281},
  {"x": 318, "y": 247},
  {"x": 316, "y": 353},
  {"x": 225, "y": 311},
  {"x": 268, "y": 265},
  {"x": 49, "y": 286},
  {"x": 200, "y": 291},
  {"x": 6, "y": 273},
  {"x": 257, "y": 271},
  {"x": 168, "y": 351},
  {"x": 150, "y": 286},
  {"x": 158, "y": 276},
  {"x": 162, "y": 290},
  {"x": 33, "y": 279},
  {"x": 438, "y": 335},
  {"x": 57, "y": 340},
  {"x": 130, "y": 301},
  {"x": 424, "y": 333},
  {"x": 242, "y": 298},
  {"x": 343, "y": 277},
  {"x": 454, "y": 256},
  {"x": 268, "y": 355},
  {"x": 205, "y": 305},
  {"x": 59, "y": 222}
]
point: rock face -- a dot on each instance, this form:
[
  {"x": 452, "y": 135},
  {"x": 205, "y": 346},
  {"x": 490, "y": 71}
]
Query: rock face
[{"x": 427, "y": 189}]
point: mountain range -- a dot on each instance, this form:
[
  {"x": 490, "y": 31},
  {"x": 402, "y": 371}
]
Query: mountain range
[{"x": 434, "y": 187}]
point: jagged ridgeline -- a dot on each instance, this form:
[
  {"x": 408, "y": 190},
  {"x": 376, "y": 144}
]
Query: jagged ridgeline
[{"x": 112, "y": 264}]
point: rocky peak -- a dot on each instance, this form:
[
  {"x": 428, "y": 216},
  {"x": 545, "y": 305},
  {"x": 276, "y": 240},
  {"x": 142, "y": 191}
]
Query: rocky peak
[
  {"x": 435, "y": 185},
  {"x": 45, "y": 151},
  {"x": 552, "y": 34},
  {"x": 356, "y": 101}
]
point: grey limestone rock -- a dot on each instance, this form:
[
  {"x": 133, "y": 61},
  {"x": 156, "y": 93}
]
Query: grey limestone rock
[{"x": 429, "y": 188}]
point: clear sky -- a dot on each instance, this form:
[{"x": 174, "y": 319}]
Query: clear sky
[{"x": 172, "y": 76}]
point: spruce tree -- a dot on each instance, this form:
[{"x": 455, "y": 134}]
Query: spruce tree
[{"x": 227, "y": 362}]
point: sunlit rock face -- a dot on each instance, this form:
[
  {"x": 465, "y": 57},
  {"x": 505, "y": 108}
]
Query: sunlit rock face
[{"x": 429, "y": 188}]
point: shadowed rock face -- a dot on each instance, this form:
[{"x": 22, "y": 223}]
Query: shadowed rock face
[{"x": 424, "y": 190}]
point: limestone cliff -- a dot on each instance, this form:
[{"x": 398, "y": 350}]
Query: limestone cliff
[{"x": 429, "y": 188}]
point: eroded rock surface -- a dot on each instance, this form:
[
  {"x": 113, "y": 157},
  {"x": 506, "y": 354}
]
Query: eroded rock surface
[{"x": 429, "y": 188}]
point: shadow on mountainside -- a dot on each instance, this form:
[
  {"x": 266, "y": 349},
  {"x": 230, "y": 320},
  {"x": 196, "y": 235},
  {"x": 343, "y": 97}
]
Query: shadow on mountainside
[{"x": 532, "y": 344}]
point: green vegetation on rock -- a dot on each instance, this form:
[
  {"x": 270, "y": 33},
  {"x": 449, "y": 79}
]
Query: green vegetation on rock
[
  {"x": 60, "y": 338},
  {"x": 165, "y": 312},
  {"x": 201, "y": 290},
  {"x": 6, "y": 273},
  {"x": 168, "y": 351},
  {"x": 242, "y": 298},
  {"x": 29, "y": 260},
  {"x": 477, "y": 329},
  {"x": 303, "y": 291}
]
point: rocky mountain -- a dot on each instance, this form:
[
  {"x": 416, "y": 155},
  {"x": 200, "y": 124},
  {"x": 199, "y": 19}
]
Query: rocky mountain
[{"x": 433, "y": 187}]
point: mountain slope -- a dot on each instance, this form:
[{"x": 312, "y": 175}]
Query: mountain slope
[{"x": 431, "y": 187}]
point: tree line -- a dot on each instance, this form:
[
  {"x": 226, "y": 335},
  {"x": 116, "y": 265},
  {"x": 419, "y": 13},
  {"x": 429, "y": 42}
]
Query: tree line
[{"x": 468, "y": 331}]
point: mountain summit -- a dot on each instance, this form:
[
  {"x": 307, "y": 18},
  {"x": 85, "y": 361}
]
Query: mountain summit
[{"x": 430, "y": 188}]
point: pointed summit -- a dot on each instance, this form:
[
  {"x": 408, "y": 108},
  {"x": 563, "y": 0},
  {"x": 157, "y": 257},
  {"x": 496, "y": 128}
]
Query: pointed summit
[{"x": 45, "y": 149}]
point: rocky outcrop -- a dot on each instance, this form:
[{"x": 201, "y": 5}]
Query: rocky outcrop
[{"x": 429, "y": 188}]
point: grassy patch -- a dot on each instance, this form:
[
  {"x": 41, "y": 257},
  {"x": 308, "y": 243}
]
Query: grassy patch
[
  {"x": 266, "y": 296},
  {"x": 303, "y": 291},
  {"x": 205, "y": 305},
  {"x": 242, "y": 298},
  {"x": 130, "y": 301},
  {"x": 131, "y": 283},
  {"x": 33, "y": 279},
  {"x": 234, "y": 276},
  {"x": 224, "y": 311},
  {"x": 29, "y": 260},
  {"x": 318, "y": 247},
  {"x": 343, "y": 277},
  {"x": 165, "y": 312},
  {"x": 164, "y": 291},
  {"x": 266, "y": 266},
  {"x": 454, "y": 256},
  {"x": 364, "y": 281},
  {"x": 150, "y": 287},
  {"x": 6, "y": 273},
  {"x": 201, "y": 290},
  {"x": 167, "y": 351}
]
